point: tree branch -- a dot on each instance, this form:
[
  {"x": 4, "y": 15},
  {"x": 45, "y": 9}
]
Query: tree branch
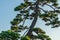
[
  {"x": 43, "y": 10},
  {"x": 50, "y": 6}
]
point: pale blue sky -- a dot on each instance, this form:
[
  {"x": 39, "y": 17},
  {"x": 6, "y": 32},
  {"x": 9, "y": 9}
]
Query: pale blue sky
[{"x": 7, "y": 14}]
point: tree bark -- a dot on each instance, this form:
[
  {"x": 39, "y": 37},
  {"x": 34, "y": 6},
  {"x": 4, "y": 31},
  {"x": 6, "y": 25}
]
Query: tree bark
[
  {"x": 32, "y": 26},
  {"x": 35, "y": 19}
]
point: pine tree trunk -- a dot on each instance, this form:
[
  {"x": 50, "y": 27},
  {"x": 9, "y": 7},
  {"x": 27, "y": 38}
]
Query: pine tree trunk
[
  {"x": 32, "y": 26},
  {"x": 35, "y": 19}
]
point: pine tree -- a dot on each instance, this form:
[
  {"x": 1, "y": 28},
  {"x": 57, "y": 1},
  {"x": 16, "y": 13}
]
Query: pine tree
[{"x": 48, "y": 16}]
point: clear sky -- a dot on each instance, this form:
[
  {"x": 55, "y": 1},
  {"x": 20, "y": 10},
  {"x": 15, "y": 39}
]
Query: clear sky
[{"x": 7, "y": 14}]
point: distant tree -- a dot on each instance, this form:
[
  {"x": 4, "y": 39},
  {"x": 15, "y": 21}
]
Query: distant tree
[
  {"x": 33, "y": 10},
  {"x": 9, "y": 35}
]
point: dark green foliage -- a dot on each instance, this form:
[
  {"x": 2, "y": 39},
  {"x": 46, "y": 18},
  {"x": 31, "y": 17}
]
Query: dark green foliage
[
  {"x": 38, "y": 30},
  {"x": 58, "y": 11},
  {"x": 17, "y": 20},
  {"x": 48, "y": 16},
  {"x": 25, "y": 38},
  {"x": 40, "y": 34},
  {"x": 9, "y": 35},
  {"x": 53, "y": 0}
]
